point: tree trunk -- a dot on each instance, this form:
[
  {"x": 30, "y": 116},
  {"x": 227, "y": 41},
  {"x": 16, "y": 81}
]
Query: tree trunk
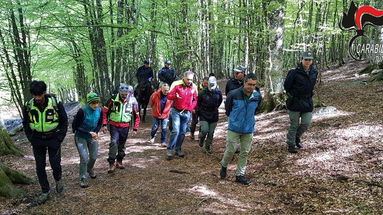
[
  {"x": 9, "y": 177},
  {"x": 274, "y": 77},
  {"x": 7, "y": 147}
]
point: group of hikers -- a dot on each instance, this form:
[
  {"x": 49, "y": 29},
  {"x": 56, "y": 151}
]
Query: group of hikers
[{"x": 179, "y": 102}]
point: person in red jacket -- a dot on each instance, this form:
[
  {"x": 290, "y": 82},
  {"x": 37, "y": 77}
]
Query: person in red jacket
[
  {"x": 184, "y": 95},
  {"x": 119, "y": 112},
  {"x": 160, "y": 112}
]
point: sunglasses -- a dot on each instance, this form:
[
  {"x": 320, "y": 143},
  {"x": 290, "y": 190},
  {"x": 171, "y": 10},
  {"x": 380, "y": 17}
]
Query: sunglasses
[{"x": 308, "y": 59}]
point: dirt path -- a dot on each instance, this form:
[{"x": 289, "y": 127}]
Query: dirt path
[{"x": 340, "y": 170}]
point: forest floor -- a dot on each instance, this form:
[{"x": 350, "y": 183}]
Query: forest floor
[{"x": 339, "y": 171}]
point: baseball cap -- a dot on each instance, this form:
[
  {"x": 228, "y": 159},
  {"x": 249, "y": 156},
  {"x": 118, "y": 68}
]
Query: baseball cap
[{"x": 307, "y": 55}]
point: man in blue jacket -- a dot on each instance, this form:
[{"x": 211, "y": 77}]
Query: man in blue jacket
[
  {"x": 241, "y": 106},
  {"x": 299, "y": 85}
]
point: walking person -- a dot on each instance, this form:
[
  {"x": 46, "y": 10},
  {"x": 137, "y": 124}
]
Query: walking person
[
  {"x": 241, "y": 106},
  {"x": 194, "y": 118},
  {"x": 119, "y": 112},
  {"x": 184, "y": 95},
  {"x": 86, "y": 125},
  {"x": 299, "y": 85},
  {"x": 209, "y": 100},
  {"x": 45, "y": 125},
  {"x": 236, "y": 81},
  {"x": 168, "y": 75},
  {"x": 161, "y": 106}
]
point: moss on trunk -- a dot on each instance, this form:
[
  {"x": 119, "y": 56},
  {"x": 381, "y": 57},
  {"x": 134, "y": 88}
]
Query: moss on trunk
[
  {"x": 8, "y": 176},
  {"x": 7, "y": 147},
  {"x": 8, "y": 179}
]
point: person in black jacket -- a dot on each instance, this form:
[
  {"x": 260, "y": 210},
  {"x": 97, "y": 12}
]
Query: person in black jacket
[
  {"x": 144, "y": 74},
  {"x": 237, "y": 81},
  {"x": 299, "y": 85},
  {"x": 167, "y": 73},
  {"x": 209, "y": 100},
  {"x": 45, "y": 125}
]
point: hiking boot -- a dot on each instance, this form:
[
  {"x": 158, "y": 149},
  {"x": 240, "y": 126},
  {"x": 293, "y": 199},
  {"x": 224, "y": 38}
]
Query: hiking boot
[
  {"x": 200, "y": 143},
  {"x": 170, "y": 155},
  {"x": 59, "y": 186},
  {"x": 242, "y": 179},
  {"x": 92, "y": 174},
  {"x": 208, "y": 151},
  {"x": 120, "y": 165},
  {"x": 298, "y": 143},
  {"x": 152, "y": 140},
  {"x": 112, "y": 168},
  {"x": 163, "y": 145},
  {"x": 43, "y": 197},
  {"x": 223, "y": 172},
  {"x": 192, "y": 136},
  {"x": 84, "y": 183},
  {"x": 180, "y": 154},
  {"x": 292, "y": 149}
]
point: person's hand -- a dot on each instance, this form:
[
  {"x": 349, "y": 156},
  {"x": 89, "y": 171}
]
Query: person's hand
[
  {"x": 178, "y": 96},
  {"x": 134, "y": 133},
  {"x": 94, "y": 135},
  {"x": 104, "y": 129}
]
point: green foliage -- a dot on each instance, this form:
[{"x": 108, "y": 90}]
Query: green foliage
[{"x": 216, "y": 35}]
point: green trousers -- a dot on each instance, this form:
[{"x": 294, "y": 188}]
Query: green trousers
[
  {"x": 207, "y": 132},
  {"x": 299, "y": 123},
  {"x": 233, "y": 139}
]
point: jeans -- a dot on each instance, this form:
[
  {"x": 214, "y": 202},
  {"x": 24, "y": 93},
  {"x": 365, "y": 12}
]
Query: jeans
[
  {"x": 297, "y": 128},
  {"x": 245, "y": 140},
  {"x": 207, "y": 132},
  {"x": 88, "y": 150},
  {"x": 156, "y": 124},
  {"x": 40, "y": 148},
  {"x": 180, "y": 123},
  {"x": 118, "y": 138}
]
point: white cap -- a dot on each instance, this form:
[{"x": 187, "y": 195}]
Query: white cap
[{"x": 212, "y": 83}]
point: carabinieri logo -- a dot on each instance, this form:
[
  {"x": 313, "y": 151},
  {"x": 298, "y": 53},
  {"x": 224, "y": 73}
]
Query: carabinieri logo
[{"x": 357, "y": 19}]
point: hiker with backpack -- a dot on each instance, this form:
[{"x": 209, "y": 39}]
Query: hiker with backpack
[
  {"x": 45, "y": 125},
  {"x": 299, "y": 86},
  {"x": 120, "y": 113},
  {"x": 86, "y": 125}
]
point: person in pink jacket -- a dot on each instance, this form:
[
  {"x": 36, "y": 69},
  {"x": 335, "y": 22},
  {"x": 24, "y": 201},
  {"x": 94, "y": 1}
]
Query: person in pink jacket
[{"x": 184, "y": 95}]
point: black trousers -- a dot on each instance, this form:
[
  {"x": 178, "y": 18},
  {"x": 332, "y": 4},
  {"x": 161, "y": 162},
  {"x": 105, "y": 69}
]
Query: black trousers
[{"x": 40, "y": 148}]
